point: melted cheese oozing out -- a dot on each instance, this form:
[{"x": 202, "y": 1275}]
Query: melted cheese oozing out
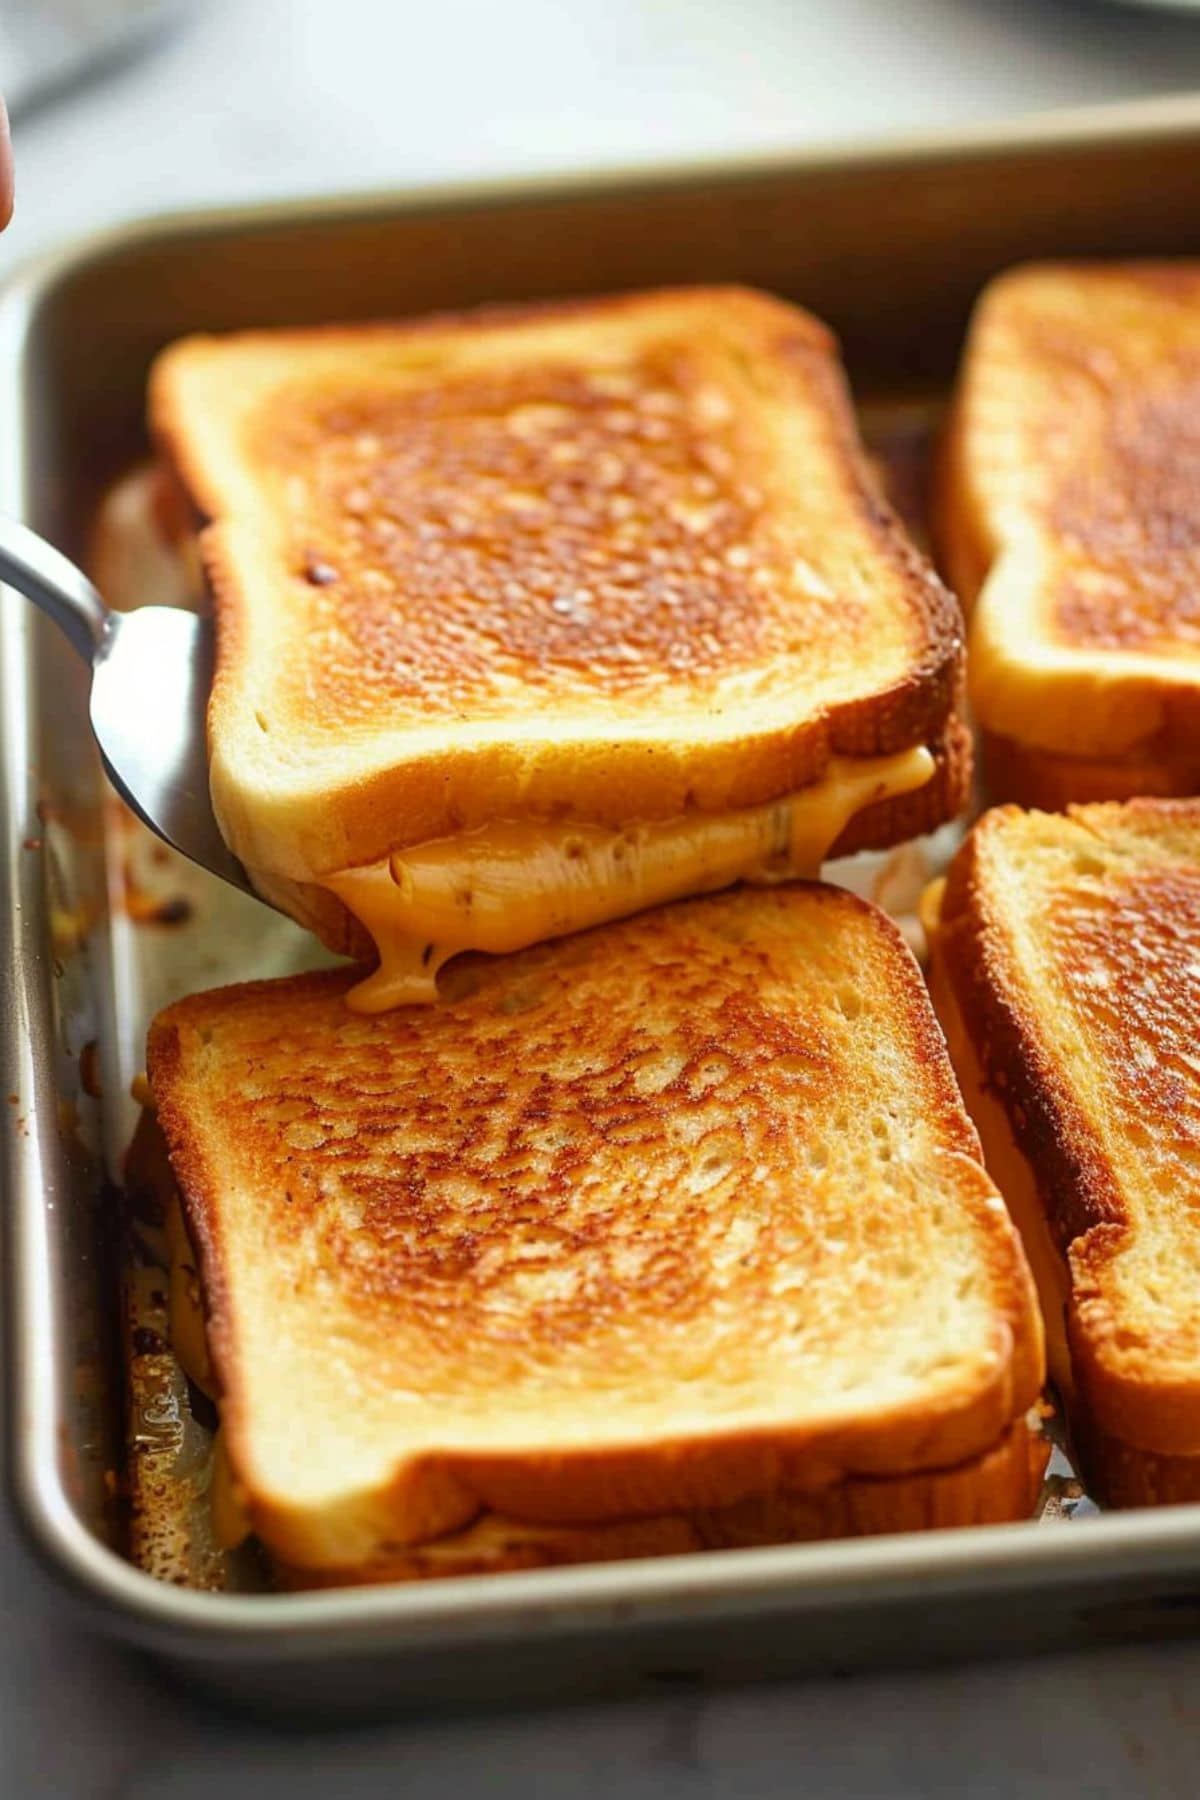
[
  {"x": 1012, "y": 1173},
  {"x": 509, "y": 885}
]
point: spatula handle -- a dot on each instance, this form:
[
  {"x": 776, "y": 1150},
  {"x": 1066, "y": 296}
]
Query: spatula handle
[{"x": 51, "y": 580}]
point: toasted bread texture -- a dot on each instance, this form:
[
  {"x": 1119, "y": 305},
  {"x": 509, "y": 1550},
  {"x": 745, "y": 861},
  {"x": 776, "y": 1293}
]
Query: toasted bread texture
[
  {"x": 1067, "y": 516},
  {"x": 992, "y": 1489},
  {"x": 658, "y": 1219},
  {"x": 1071, "y": 946},
  {"x": 605, "y": 560}
]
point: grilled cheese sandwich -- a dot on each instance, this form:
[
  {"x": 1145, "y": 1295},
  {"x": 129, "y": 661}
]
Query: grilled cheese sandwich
[
  {"x": 1066, "y": 962},
  {"x": 504, "y": 886},
  {"x": 582, "y": 1244},
  {"x": 1010, "y": 1169},
  {"x": 527, "y": 619},
  {"x": 1065, "y": 519}
]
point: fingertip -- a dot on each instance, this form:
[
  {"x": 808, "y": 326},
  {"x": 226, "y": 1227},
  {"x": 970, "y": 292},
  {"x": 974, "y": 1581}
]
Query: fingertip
[{"x": 6, "y": 168}]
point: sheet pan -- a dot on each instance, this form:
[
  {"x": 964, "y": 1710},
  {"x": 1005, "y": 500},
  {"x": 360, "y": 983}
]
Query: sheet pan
[{"x": 890, "y": 244}]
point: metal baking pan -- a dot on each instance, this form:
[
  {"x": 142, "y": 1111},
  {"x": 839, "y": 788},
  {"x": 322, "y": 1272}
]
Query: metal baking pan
[{"x": 891, "y": 245}]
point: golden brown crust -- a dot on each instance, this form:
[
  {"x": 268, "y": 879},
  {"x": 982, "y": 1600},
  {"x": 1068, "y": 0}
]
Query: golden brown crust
[
  {"x": 1117, "y": 920},
  {"x": 1129, "y": 509},
  {"x": 1108, "y": 361},
  {"x": 921, "y": 810},
  {"x": 1065, "y": 513},
  {"x": 1050, "y": 783},
  {"x": 1119, "y": 1474},
  {"x": 504, "y": 1194},
  {"x": 449, "y": 541},
  {"x": 998, "y": 1487},
  {"x": 962, "y": 548}
]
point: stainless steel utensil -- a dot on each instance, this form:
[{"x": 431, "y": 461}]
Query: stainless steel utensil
[{"x": 151, "y": 672}]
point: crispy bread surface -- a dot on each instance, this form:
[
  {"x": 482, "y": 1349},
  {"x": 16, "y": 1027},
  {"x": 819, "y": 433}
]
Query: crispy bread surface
[
  {"x": 1071, "y": 944},
  {"x": 655, "y": 1219},
  {"x": 1067, "y": 512},
  {"x": 603, "y": 560}
]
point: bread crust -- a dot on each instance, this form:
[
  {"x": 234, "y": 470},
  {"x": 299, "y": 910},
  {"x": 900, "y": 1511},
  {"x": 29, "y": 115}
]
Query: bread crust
[
  {"x": 280, "y": 818},
  {"x": 1119, "y": 1474},
  {"x": 1062, "y": 517},
  {"x": 887, "y": 822},
  {"x": 998, "y": 1487},
  {"x": 441, "y": 1488},
  {"x": 1121, "y": 1399},
  {"x": 1041, "y": 780}
]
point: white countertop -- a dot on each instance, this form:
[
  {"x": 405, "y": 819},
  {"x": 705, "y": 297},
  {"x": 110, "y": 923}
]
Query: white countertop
[
  {"x": 265, "y": 97},
  {"x": 272, "y": 97}
]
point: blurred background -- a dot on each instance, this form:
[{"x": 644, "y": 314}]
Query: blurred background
[{"x": 126, "y": 107}]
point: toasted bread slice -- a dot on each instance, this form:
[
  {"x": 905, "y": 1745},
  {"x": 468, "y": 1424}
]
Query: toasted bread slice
[
  {"x": 1066, "y": 967},
  {"x": 992, "y": 1489},
  {"x": 1067, "y": 517},
  {"x": 665, "y": 1218},
  {"x": 485, "y": 580}
]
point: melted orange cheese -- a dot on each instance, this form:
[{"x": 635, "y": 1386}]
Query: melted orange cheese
[{"x": 509, "y": 885}]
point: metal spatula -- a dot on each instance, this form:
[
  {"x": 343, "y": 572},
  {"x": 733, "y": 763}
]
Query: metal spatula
[{"x": 151, "y": 672}]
